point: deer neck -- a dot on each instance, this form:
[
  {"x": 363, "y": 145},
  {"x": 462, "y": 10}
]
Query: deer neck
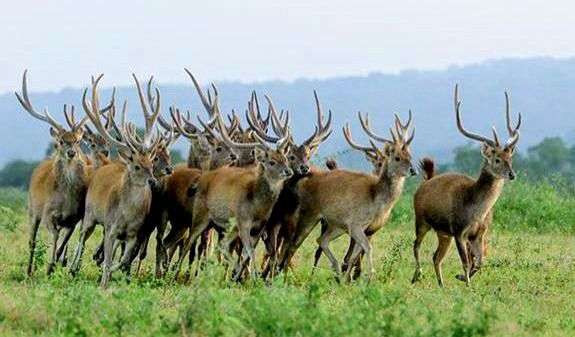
[
  {"x": 485, "y": 192},
  {"x": 389, "y": 186},
  {"x": 70, "y": 173},
  {"x": 134, "y": 194},
  {"x": 267, "y": 188}
]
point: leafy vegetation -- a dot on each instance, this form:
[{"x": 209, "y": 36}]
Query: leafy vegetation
[{"x": 522, "y": 290}]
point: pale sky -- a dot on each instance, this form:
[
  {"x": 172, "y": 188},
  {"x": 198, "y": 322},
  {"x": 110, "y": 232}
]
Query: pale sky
[{"x": 63, "y": 42}]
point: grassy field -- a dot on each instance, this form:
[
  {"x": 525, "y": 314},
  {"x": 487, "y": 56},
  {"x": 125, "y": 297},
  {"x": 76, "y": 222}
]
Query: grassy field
[{"x": 526, "y": 287}]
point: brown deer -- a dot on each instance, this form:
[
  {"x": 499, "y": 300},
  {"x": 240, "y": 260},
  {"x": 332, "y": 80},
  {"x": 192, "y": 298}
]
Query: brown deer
[
  {"x": 377, "y": 158},
  {"x": 58, "y": 185},
  {"x": 458, "y": 206},
  {"x": 278, "y": 226},
  {"x": 245, "y": 194},
  {"x": 120, "y": 194},
  {"x": 351, "y": 201}
]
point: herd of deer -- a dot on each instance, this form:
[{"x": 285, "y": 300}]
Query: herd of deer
[{"x": 245, "y": 184}]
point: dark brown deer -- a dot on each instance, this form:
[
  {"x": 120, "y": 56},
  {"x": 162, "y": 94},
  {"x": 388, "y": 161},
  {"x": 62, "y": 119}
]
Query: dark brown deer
[
  {"x": 351, "y": 201},
  {"x": 58, "y": 185},
  {"x": 458, "y": 206}
]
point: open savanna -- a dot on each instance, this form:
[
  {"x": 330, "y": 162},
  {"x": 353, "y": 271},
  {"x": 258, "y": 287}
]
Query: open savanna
[{"x": 526, "y": 288}]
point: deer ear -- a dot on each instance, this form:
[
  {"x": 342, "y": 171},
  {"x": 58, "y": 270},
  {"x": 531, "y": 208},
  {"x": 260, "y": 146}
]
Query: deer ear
[
  {"x": 487, "y": 151},
  {"x": 53, "y": 133}
]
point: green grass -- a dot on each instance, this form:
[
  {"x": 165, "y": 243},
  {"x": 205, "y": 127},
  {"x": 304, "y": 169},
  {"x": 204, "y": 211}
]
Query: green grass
[{"x": 526, "y": 287}]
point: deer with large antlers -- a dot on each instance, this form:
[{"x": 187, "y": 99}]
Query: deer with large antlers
[
  {"x": 458, "y": 206},
  {"x": 280, "y": 223},
  {"x": 58, "y": 185},
  {"x": 352, "y": 202},
  {"x": 119, "y": 196},
  {"x": 243, "y": 194}
]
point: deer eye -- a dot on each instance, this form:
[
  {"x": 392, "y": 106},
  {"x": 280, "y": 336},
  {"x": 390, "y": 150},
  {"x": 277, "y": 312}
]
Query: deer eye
[
  {"x": 272, "y": 163},
  {"x": 61, "y": 142},
  {"x": 219, "y": 149},
  {"x": 292, "y": 157},
  {"x": 93, "y": 146},
  {"x": 497, "y": 161},
  {"x": 397, "y": 158},
  {"x": 137, "y": 167},
  {"x": 156, "y": 159}
]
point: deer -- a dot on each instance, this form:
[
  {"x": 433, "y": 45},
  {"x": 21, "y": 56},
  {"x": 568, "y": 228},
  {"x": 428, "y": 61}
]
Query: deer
[
  {"x": 245, "y": 194},
  {"x": 377, "y": 158},
  {"x": 461, "y": 207},
  {"x": 120, "y": 194},
  {"x": 350, "y": 201},
  {"x": 278, "y": 227},
  {"x": 58, "y": 185}
]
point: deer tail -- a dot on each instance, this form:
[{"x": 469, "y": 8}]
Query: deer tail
[{"x": 427, "y": 166}]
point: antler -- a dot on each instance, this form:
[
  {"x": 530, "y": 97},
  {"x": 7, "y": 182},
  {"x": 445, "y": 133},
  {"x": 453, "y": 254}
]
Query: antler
[
  {"x": 365, "y": 126},
  {"x": 93, "y": 112},
  {"x": 150, "y": 119},
  {"x": 323, "y": 131},
  {"x": 27, "y": 105},
  {"x": 255, "y": 122},
  {"x": 470, "y": 135},
  {"x": 369, "y": 151},
  {"x": 513, "y": 131}
]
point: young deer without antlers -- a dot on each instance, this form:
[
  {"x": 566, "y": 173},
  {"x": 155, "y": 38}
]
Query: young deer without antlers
[
  {"x": 351, "y": 201},
  {"x": 458, "y": 206},
  {"x": 58, "y": 185},
  {"x": 119, "y": 195}
]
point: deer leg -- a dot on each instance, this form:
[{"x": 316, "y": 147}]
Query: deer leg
[
  {"x": 99, "y": 253},
  {"x": 54, "y": 256},
  {"x": 143, "y": 252},
  {"x": 443, "y": 243},
  {"x": 63, "y": 249},
  {"x": 171, "y": 241},
  {"x": 88, "y": 226},
  {"x": 200, "y": 223},
  {"x": 358, "y": 234},
  {"x": 331, "y": 233},
  {"x": 247, "y": 255},
  {"x": 306, "y": 224},
  {"x": 160, "y": 249},
  {"x": 345, "y": 265},
  {"x": 109, "y": 240},
  {"x": 421, "y": 228},
  {"x": 476, "y": 248},
  {"x": 126, "y": 259},
  {"x": 318, "y": 251},
  {"x": 34, "y": 225},
  {"x": 461, "y": 244}
]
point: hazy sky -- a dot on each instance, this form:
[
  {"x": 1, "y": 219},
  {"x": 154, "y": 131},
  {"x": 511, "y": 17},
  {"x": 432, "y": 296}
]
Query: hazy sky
[{"x": 63, "y": 42}]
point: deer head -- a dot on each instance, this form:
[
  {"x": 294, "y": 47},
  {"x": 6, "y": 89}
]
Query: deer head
[
  {"x": 396, "y": 150},
  {"x": 67, "y": 141},
  {"x": 138, "y": 154},
  {"x": 497, "y": 156}
]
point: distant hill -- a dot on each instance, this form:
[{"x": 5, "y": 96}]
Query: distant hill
[{"x": 542, "y": 89}]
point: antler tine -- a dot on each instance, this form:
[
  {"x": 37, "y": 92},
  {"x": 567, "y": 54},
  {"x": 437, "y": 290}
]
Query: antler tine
[
  {"x": 279, "y": 129},
  {"x": 351, "y": 142},
  {"x": 510, "y": 129},
  {"x": 69, "y": 115},
  {"x": 252, "y": 121},
  {"x": 208, "y": 105},
  {"x": 227, "y": 139},
  {"x": 495, "y": 136},
  {"x": 94, "y": 115},
  {"x": 27, "y": 105},
  {"x": 365, "y": 126},
  {"x": 150, "y": 119},
  {"x": 466, "y": 133},
  {"x": 178, "y": 122}
]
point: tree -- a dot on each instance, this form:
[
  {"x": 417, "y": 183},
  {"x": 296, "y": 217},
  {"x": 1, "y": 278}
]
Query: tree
[{"x": 17, "y": 173}]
